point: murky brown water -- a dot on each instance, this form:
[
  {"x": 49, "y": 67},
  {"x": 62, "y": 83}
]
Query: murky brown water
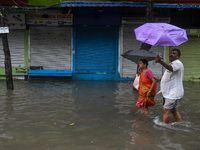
[{"x": 92, "y": 115}]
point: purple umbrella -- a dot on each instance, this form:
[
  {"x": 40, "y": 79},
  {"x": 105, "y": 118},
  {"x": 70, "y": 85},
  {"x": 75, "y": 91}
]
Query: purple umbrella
[{"x": 161, "y": 34}]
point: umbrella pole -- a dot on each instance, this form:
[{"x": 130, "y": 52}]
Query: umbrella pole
[{"x": 145, "y": 46}]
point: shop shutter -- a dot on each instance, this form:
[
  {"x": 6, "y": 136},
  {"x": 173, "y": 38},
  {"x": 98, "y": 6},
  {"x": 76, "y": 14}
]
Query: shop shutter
[
  {"x": 16, "y": 46},
  {"x": 129, "y": 42},
  {"x": 96, "y": 49},
  {"x": 50, "y": 48},
  {"x": 190, "y": 54}
]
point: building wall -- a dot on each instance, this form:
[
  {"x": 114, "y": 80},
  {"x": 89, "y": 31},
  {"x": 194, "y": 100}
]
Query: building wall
[
  {"x": 50, "y": 47},
  {"x": 128, "y": 41},
  {"x": 96, "y": 43},
  {"x": 190, "y": 54},
  {"x": 16, "y": 41},
  {"x": 19, "y": 47}
]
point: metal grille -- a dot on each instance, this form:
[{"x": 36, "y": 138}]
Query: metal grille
[
  {"x": 16, "y": 46},
  {"x": 96, "y": 50},
  {"x": 50, "y": 48}
]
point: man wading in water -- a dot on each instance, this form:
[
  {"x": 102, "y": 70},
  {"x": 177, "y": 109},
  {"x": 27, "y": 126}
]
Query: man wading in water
[{"x": 172, "y": 85}]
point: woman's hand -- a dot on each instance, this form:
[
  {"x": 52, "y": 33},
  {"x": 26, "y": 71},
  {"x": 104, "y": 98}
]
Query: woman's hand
[
  {"x": 148, "y": 93},
  {"x": 139, "y": 71}
]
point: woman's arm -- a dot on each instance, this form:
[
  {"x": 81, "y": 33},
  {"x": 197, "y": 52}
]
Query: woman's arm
[{"x": 152, "y": 87}]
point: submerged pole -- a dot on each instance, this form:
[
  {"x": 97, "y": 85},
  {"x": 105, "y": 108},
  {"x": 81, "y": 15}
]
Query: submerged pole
[
  {"x": 8, "y": 65},
  {"x": 7, "y": 60}
]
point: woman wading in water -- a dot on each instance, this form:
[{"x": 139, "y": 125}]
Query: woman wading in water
[{"x": 147, "y": 87}]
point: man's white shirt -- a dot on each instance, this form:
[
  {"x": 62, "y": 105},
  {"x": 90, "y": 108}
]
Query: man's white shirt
[{"x": 172, "y": 82}]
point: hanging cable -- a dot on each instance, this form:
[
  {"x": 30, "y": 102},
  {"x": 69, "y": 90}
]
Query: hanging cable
[
  {"x": 20, "y": 2},
  {"x": 15, "y": 3}
]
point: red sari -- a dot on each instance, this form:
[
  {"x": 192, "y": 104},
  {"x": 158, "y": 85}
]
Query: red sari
[{"x": 144, "y": 86}]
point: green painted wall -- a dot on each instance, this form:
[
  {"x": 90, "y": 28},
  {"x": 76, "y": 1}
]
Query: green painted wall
[
  {"x": 193, "y": 31},
  {"x": 44, "y": 2},
  {"x": 190, "y": 54},
  {"x": 19, "y": 71}
]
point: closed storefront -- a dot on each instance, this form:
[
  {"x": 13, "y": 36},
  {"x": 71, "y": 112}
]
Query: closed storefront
[
  {"x": 96, "y": 43},
  {"x": 96, "y": 50},
  {"x": 190, "y": 54},
  {"x": 16, "y": 41},
  {"x": 50, "y": 50},
  {"x": 128, "y": 42}
]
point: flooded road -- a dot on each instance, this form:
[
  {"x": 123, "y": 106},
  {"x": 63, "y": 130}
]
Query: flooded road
[{"x": 92, "y": 115}]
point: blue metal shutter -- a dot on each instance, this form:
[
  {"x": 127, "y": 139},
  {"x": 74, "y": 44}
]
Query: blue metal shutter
[{"x": 96, "y": 50}]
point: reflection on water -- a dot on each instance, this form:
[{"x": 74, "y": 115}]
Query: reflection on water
[{"x": 88, "y": 115}]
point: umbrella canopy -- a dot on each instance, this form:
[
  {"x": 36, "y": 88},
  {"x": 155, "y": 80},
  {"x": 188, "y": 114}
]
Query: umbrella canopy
[
  {"x": 136, "y": 55},
  {"x": 161, "y": 34}
]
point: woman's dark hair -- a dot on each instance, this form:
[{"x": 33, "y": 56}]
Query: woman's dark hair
[{"x": 144, "y": 61}]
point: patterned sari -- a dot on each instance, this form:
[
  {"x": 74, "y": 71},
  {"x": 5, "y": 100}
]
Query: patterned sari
[{"x": 144, "y": 86}]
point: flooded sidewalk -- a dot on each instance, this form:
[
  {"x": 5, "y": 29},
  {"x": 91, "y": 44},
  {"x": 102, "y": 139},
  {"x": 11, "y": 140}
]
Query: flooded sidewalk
[{"x": 92, "y": 115}]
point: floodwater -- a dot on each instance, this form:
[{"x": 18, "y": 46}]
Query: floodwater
[{"x": 92, "y": 115}]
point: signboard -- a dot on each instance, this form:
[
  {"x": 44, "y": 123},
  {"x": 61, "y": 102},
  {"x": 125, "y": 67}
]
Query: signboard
[
  {"x": 50, "y": 19},
  {"x": 4, "y": 30},
  {"x": 141, "y": 20}
]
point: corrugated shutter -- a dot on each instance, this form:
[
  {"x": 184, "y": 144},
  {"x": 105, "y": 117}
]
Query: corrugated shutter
[
  {"x": 50, "y": 47},
  {"x": 96, "y": 49},
  {"x": 16, "y": 46},
  {"x": 190, "y": 54},
  {"x": 129, "y": 42}
]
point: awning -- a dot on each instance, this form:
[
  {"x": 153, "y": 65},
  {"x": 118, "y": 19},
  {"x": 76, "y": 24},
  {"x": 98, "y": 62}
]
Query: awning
[
  {"x": 88, "y": 4},
  {"x": 176, "y": 6},
  {"x": 178, "y": 1},
  {"x": 137, "y": 3},
  {"x": 156, "y": 5}
]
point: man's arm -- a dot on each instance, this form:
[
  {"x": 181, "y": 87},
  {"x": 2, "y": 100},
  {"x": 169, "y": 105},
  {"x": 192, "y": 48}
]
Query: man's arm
[{"x": 168, "y": 67}]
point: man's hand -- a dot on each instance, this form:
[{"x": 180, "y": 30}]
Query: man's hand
[
  {"x": 158, "y": 59},
  {"x": 168, "y": 67}
]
